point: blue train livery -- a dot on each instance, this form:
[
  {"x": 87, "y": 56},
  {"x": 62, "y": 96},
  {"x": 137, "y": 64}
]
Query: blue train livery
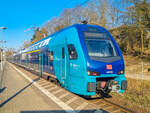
[{"x": 83, "y": 58}]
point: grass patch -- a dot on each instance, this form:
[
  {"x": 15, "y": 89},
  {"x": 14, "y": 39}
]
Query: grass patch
[
  {"x": 136, "y": 97},
  {"x": 138, "y": 92},
  {"x": 133, "y": 65}
]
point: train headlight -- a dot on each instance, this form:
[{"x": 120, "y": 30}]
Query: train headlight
[
  {"x": 120, "y": 72},
  {"x": 93, "y": 73}
]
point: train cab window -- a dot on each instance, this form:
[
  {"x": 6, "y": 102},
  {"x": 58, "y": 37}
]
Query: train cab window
[
  {"x": 72, "y": 52},
  {"x": 63, "y": 52},
  {"x": 51, "y": 56}
]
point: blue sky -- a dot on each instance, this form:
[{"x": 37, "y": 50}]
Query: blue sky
[{"x": 19, "y": 15}]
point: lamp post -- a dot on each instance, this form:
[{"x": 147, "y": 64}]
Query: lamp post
[{"x": 2, "y": 42}]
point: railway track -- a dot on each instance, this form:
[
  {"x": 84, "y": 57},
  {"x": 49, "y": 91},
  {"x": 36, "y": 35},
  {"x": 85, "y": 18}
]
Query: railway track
[
  {"x": 105, "y": 104},
  {"x": 110, "y": 106},
  {"x": 101, "y": 103}
]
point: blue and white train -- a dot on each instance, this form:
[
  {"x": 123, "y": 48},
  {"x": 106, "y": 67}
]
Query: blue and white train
[{"x": 85, "y": 59}]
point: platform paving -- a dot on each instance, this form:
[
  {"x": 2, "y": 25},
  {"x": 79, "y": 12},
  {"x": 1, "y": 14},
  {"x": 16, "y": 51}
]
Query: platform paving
[
  {"x": 25, "y": 92},
  {"x": 19, "y": 96}
]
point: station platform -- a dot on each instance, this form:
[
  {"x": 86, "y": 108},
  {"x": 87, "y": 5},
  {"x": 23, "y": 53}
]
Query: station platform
[{"x": 23, "y": 92}]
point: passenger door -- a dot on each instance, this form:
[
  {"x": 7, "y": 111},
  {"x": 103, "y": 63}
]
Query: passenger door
[
  {"x": 40, "y": 64},
  {"x": 63, "y": 64},
  {"x": 26, "y": 61}
]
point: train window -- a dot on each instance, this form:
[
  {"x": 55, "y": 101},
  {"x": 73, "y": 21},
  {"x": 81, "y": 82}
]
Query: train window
[
  {"x": 51, "y": 56},
  {"x": 100, "y": 48},
  {"x": 63, "y": 53},
  {"x": 72, "y": 52}
]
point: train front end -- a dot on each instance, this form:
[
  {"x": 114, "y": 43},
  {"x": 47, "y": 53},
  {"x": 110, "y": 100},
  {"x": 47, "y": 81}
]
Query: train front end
[{"x": 105, "y": 65}]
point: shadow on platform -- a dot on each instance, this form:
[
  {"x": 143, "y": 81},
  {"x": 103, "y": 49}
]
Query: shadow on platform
[
  {"x": 68, "y": 111},
  {"x": 17, "y": 93},
  {"x": 1, "y": 90}
]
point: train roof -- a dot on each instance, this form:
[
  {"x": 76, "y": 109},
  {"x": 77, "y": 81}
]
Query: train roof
[{"x": 45, "y": 41}]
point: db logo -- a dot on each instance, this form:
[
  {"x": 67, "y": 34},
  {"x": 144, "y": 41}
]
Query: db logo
[{"x": 109, "y": 67}]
